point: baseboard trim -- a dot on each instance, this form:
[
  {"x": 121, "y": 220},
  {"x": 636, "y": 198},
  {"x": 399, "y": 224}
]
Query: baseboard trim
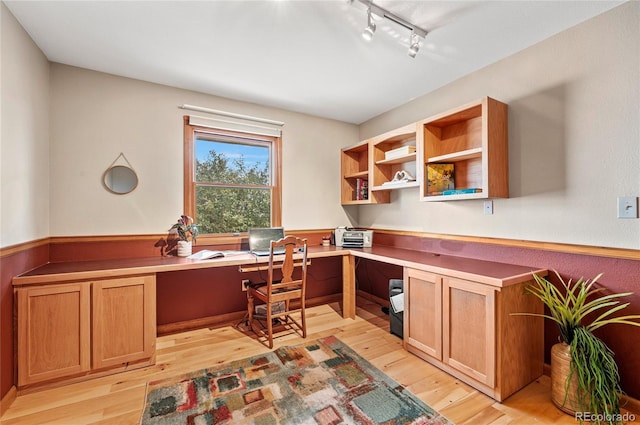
[
  {"x": 8, "y": 399},
  {"x": 203, "y": 322},
  {"x": 629, "y": 403},
  {"x": 381, "y": 301}
]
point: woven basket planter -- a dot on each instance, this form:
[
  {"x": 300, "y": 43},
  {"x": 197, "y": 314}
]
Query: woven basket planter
[{"x": 567, "y": 401}]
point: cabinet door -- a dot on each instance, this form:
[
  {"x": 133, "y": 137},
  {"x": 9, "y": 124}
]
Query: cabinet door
[
  {"x": 53, "y": 332},
  {"x": 469, "y": 329},
  {"x": 124, "y": 320},
  {"x": 423, "y": 312}
]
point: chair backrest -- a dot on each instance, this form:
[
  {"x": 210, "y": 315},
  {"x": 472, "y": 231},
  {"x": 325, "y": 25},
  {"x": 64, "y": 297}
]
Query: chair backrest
[{"x": 289, "y": 264}]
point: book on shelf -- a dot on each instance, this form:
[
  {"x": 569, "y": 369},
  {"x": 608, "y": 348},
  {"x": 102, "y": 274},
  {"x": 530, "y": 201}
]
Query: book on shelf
[
  {"x": 462, "y": 191},
  {"x": 206, "y": 254},
  {"x": 399, "y": 152},
  {"x": 362, "y": 189},
  {"x": 440, "y": 177}
]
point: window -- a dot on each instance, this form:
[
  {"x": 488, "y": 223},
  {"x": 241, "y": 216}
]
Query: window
[{"x": 232, "y": 179}]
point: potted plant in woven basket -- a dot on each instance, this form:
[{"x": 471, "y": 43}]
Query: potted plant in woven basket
[
  {"x": 584, "y": 374},
  {"x": 187, "y": 232}
]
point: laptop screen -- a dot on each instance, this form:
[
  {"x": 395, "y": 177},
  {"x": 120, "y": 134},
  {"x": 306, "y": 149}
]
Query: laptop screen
[{"x": 260, "y": 237}]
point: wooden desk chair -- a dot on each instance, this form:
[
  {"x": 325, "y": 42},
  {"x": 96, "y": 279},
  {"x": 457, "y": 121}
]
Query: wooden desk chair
[{"x": 289, "y": 291}]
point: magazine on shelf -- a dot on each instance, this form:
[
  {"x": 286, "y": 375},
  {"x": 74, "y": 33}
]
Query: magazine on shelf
[
  {"x": 439, "y": 178},
  {"x": 206, "y": 254}
]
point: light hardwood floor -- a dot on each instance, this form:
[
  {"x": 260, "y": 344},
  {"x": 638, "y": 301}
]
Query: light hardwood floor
[{"x": 119, "y": 399}]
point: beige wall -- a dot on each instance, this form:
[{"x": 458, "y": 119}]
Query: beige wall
[
  {"x": 96, "y": 116},
  {"x": 574, "y": 140},
  {"x": 24, "y": 147},
  {"x": 63, "y": 126},
  {"x": 574, "y": 145}
]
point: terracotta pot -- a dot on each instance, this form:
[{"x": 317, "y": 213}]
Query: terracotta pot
[
  {"x": 184, "y": 248},
  {"x": 560, "y": 368}
]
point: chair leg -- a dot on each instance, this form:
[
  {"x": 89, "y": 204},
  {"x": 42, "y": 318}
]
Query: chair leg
[
  {"x": 303, "y": 320},
  {"x": 286, "y": 309},
  {"x": 269, "y": 326},
  {"x": 250, "y": 309}
]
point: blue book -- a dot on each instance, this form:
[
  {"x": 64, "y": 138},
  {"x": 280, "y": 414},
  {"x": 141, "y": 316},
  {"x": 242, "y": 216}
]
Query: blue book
[{"x": 461, "y": 191}]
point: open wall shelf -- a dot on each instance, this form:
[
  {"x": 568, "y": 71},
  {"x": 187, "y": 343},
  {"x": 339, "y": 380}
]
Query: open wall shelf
[
  {"x": 356, "y": 177},
  {"x": 394, "y": 151},
  {"x": 472, "y": 141},
  {"x": 467, "y": 145}
]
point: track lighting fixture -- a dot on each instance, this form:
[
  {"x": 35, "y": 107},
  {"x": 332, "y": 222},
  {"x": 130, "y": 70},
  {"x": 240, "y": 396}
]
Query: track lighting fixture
[
  {"x": 368, "y": 32},
  {"x": 417, "y": 33},
  {"x": 414, "y": 45}
]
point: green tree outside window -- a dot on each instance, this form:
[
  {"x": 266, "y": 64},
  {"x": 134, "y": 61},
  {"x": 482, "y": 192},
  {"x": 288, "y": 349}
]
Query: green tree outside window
[{"x": 233, "y": 185}]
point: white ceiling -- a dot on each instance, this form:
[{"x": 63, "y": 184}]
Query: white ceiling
[{"x": 305, "y": 56}]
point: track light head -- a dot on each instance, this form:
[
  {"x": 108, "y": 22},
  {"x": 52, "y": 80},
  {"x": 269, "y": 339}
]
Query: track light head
[
  {"x": 413, "y": 50},
  {"x": 414, "y": 45},
  {"x": 368, "y": 32}
]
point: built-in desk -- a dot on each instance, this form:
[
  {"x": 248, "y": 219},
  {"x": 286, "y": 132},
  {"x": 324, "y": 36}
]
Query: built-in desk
[
  {"x": 486, "y": 272},
  {"x": 457, "y": 314},
  {"x": 490, "y": 273},
  {"x": 75, "y": 270}
]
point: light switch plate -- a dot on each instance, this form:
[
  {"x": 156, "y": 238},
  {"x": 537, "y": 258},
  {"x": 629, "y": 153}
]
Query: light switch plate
[
  {"x": 627, "y": 207},
  {"x": 488, "y": 207}
]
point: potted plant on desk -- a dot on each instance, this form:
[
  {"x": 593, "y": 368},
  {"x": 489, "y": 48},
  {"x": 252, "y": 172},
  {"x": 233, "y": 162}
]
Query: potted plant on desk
[
  {"x": 584, "y": 374},
  {"x": 187, "y": 232}
]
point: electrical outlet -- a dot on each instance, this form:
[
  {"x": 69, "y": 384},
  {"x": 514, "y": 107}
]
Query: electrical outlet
[
  {"x": 488, "y": 207},
  {"x": 245, "y": 283},
  {"x": 627, "y": 207}
]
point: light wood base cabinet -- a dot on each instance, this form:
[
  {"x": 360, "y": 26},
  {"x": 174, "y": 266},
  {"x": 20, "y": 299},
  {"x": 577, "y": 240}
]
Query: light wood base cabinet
[
  {"x": 84, "y": 328},
  {"x": 469, "y": 321},
  {"x": 53, "y": 332},
  {"x": 423, "y": 313},
  {"x": 467, "y": 329}
]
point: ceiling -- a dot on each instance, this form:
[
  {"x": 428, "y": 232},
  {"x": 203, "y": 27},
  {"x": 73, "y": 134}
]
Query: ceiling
[{"x": 304, "y": 56}]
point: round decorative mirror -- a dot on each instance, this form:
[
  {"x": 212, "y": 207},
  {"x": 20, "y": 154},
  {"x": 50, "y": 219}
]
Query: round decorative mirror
[{"x": 120, "y": 179}]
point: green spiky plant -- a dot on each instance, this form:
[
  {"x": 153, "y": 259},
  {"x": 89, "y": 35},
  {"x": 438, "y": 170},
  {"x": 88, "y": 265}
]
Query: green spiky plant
[{"x": 592, "y": 362}]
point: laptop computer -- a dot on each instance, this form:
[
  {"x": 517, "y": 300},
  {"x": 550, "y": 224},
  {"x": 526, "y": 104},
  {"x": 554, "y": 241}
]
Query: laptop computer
[{"x": 260, "y": 240}]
